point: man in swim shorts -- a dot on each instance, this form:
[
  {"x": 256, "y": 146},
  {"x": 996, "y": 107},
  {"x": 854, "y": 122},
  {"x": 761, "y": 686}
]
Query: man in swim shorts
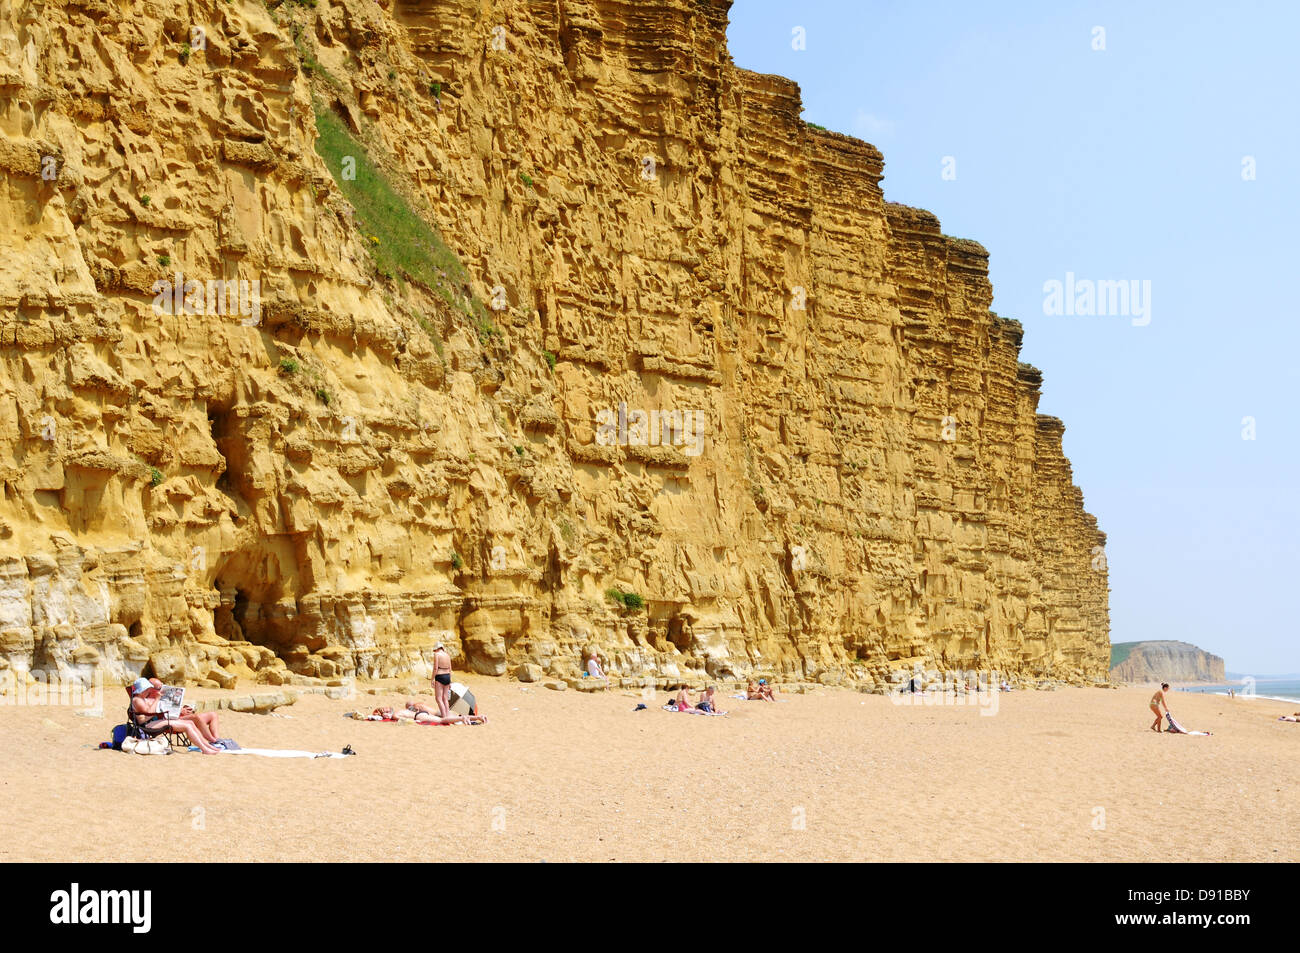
[
  {"x": 442, "y": 680},
  {"x": 1157, "y": 700}
]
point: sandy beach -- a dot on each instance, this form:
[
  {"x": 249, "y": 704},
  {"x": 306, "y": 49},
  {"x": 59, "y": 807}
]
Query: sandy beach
[{"x": 1073, "y": 774}]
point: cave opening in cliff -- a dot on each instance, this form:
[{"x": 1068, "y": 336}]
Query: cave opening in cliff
[
  {"x": 239, "y": 613},
  {"x": 678, "y": 634},
  {"x": 231, "y": 443},
  {"x": 242, "y": 615}
]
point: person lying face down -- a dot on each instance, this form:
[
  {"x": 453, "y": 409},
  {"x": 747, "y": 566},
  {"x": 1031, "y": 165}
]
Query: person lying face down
[{"x": 424, "y": 715}]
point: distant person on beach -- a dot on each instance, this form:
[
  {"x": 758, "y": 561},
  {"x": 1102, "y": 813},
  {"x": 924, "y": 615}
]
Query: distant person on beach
[
  {"x": 1157, "y": 700},
  {"x": 683, "y": 702},
  {"x": 706, "y": 700},
  {"x": 442, "y": 680},
  {"x": 1294, "y": 717},
  {"x": 146, "y": 718},
  {"x": 594, "y": 670}
]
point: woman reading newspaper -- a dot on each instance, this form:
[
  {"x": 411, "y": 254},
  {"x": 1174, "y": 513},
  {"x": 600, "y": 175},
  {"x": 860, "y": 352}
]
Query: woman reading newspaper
[{"x": 148, "y": 716}]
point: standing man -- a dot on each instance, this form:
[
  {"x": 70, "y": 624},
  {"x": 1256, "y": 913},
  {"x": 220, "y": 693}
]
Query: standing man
[
  {"x": 442, "y": 679},
  {"x": 1157, "y": 700}
]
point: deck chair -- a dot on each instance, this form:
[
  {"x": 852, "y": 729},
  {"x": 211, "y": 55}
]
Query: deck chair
[{"x": 175, "y": 737}]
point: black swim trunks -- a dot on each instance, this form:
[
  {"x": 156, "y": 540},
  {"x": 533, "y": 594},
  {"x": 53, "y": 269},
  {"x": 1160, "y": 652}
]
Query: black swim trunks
[{"x": 443, "y": 679}]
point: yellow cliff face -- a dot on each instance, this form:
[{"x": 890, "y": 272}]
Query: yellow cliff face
[{"x": 680, "y": 385}]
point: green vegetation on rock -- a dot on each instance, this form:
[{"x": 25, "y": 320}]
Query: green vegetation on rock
[
  {"x": 1119, "y": 651},
  {"x": 400, "y": 242}
]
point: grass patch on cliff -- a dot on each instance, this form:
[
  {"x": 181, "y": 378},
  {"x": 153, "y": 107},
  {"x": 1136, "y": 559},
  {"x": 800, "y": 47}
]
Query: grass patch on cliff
[
  {"x": 400, "y": 242},
  {"x": 1119, "y": 651},
  {"x": 628, "y": 600}
]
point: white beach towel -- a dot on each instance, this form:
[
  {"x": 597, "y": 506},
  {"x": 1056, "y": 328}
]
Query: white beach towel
[
  {"x": 1177, "y": 729},
  {"x": 271, "y": 753}
]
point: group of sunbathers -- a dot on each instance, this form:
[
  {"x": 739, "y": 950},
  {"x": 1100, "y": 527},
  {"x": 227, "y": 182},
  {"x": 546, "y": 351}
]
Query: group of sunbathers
[
  {"x": 755, "y": 691},
  {"x": 420, "y": 713},
  {"x": 199, "y": 727},
  {"x": 705, "y": 706}
]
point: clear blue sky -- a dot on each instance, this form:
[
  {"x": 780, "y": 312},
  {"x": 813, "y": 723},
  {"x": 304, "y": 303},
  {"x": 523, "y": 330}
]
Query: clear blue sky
[{"x": 1117, "y": 164}]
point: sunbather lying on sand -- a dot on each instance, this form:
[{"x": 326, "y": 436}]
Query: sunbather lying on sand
[
  {"x": 1295, "y": 717},
  {"x": 682, "y": 703},
  {"x": 424, "y": 715}
]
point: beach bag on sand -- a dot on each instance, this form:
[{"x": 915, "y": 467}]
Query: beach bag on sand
[
  {"x": 120, "y": 734},
  {"x": 461, "y": 700},
  {"x": 157, "y": 745}
]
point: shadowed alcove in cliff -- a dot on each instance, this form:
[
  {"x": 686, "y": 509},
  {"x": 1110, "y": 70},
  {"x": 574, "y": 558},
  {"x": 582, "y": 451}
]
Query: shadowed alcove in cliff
[
  {"x": 256, "y": 602},
  {"x": 231, "y": 440},
  {"x": 679, "y": 632}
]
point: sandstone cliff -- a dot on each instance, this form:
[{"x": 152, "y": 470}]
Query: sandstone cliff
[
  {"x": 1164, "y": 662},
  {"x": 681, "y": 384}
]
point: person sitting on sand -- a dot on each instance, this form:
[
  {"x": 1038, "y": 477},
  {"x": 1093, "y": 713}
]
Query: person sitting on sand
[
  {"x": 706, "y": 700},
  {"x": 594, "y": 670},
  {"x": 682, "y": 701},
  {"x": 1157, "y": 700},
  {"x": 146, "y": 718},
  {"x": 424, "y": 715}
]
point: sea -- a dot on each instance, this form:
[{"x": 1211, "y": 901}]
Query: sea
[{"x": 1280, "y": 689}]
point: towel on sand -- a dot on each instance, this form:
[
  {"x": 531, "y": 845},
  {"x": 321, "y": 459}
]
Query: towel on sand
[
  {"x": 270, "y": 753},
  {"x": 694, "y": 711},
  {"x": 1177, "y": 729}
]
